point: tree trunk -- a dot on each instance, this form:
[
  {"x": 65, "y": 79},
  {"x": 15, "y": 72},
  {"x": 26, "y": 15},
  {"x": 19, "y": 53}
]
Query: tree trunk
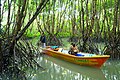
[
  {"x": 0, "y": 40},
  {"x": 1, "y": 55}
]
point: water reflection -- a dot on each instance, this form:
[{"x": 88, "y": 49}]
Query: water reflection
[
  {"x": 112, "y": 70},
  {"x": 60, "y": 70}
]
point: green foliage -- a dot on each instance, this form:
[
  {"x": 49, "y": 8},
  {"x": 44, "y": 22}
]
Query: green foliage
[
  {"x": 109, "y": 4},
  {"x": 32, "y": 33},
  {"x": 64, "y": 34}
]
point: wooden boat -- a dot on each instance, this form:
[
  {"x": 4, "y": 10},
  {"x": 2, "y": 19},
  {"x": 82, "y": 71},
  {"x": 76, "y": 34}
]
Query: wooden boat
[{"x": 84, "y": 59}]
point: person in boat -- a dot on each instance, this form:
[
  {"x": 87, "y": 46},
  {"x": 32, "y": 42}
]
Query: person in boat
[
  {"x": 73, "y": 49},
  {"x": 71, "y": 45},
  {"x": 43, "y": 40}
]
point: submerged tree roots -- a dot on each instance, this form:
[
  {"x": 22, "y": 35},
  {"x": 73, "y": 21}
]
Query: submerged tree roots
[{"x": 13, "y": 65}]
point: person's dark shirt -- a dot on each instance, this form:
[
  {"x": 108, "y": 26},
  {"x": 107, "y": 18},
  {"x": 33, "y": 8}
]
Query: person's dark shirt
[{"x": 43, "y": 39}]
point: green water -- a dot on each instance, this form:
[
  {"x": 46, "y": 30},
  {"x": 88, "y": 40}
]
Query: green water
[{"x": 56, "y": 69}]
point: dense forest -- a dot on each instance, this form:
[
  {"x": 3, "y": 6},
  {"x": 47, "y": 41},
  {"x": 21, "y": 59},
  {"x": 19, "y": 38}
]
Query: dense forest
[{"x": 85, "y": 22}]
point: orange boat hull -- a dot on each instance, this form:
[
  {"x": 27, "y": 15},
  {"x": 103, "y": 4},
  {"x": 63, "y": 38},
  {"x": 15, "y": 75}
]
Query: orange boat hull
[{"x": 93, "y": 61}]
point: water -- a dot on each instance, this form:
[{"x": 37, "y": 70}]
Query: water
[
  {"x": 57, "y": 69},
  {"x": 111, "y": 70}
]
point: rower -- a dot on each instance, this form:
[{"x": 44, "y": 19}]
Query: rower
[{"x": 73, "y": 49}]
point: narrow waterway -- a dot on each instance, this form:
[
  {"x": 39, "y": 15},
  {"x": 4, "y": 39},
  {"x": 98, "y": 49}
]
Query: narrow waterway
[{"x": 56, "y": 69}]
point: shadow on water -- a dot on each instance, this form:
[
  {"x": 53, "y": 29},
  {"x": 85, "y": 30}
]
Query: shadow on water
[{"x": 62, "y": 70}]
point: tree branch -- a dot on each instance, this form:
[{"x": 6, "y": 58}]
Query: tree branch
[{"x": 39, "y": 9}]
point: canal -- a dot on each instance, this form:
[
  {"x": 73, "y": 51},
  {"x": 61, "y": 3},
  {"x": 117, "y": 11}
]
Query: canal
[{"x": 56, "y": 69}]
